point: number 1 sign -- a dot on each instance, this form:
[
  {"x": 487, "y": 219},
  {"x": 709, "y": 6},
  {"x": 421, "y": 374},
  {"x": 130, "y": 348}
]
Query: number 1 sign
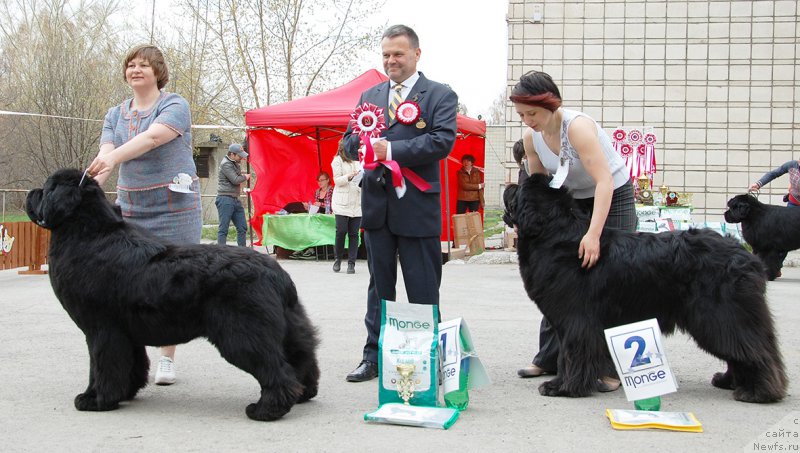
[{"x": 640, "y": 359}]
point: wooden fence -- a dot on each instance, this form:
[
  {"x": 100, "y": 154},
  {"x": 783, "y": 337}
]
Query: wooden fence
[{"x": 23, "y": 244}]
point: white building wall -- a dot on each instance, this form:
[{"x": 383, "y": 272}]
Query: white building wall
[{"x": 717, "y": 80}]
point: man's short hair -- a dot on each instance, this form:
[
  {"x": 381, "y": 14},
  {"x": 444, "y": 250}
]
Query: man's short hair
[{"x": 402, "y": 30}]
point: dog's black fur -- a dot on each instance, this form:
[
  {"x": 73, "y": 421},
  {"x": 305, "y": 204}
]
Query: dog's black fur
[
  {"x": 770, "y": 230},
  {"x": 125, "y": 289},
  {"x": 702, "y": 283}
]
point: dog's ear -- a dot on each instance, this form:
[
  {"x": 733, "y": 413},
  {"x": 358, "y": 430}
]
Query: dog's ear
[{"x": 33, "y": 205}]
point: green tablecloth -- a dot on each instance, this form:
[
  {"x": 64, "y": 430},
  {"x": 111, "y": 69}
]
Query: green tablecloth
[{"x": 299, "y": 231}]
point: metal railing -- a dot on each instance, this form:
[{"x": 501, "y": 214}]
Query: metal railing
[{"x": 5, "y": 192}]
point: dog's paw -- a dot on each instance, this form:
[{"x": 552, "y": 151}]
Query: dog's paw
[
  {"x": 550, "y": 388},
  {"x": 264, "y": 413},
  {"x": 751, "y": 395},
  {"x": 723, "y": 380},
  {"x": 90, "y": 402},
  {"x": 308, "y": 393}
]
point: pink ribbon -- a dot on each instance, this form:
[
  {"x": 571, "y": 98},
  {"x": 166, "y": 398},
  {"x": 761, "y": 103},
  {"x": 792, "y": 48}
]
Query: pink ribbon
[{"x": 398, "y": 173}]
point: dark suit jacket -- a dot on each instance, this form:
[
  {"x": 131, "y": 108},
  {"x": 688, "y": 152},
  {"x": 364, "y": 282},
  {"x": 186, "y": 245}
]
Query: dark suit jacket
[{"x": 417, "y": 214}]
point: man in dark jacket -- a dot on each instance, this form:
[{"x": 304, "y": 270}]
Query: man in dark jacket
[
  {"x": 228, "y": 205},
  {"x": 421, "y": 131}
]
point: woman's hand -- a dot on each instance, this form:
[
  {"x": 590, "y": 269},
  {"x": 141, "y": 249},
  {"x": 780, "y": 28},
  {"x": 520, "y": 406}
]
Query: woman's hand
[
  {"x": 101, "y": 167},
  {"x": 753, "y": 187},
  {"x": 589, "y": 250}
]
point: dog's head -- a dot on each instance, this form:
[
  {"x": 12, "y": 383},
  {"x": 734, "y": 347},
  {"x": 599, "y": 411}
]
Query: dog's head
[
  {"x": 740, "y": 207},
  {"x": 63, "y": 196},
  {"x": 537, "y": 206}
]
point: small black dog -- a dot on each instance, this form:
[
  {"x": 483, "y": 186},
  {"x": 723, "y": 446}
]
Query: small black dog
[
  {"x": 770, "y": 230},
  {"x": 125, "y": 289},
  {"x": 697, "y": 281}
]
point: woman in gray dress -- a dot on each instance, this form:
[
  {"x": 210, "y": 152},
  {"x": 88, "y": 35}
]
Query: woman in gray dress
[{"x": 149, "y": 138}]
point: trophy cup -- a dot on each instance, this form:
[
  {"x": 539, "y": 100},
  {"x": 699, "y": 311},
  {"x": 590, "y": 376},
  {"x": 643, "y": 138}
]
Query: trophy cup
[{"x": 405, "y": 385}]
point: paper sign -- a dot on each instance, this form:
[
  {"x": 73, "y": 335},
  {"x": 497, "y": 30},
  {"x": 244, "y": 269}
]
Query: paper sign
[
  {"x": 452, "y": 354},
  {"x": 561, "y": 174},
  {"x": 640, "y": 359}
]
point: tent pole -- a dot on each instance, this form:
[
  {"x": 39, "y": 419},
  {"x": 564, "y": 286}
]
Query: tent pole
[
  {"x": 319, "y": 150},
  {"x": 249, "y": 203}
]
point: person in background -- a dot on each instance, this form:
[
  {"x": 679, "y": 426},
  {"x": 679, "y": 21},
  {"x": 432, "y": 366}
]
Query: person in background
[
  {"x": 322, "y": 196},
  {"x": 573, "y": 147},
  {"x": 792, "y": 198},
  {"x": 149, "y": 137},
  {"x": 470, "y": 187},
  {"x": 229, "y": 207},
  {"x": 396, "y": 223},
  {"x": 346, "y": 204},
  {"x": 519, "y": 157}
]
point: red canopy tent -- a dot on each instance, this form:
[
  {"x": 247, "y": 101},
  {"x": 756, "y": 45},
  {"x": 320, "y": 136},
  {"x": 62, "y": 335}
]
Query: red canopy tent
[{"x": 290, "y": 143}]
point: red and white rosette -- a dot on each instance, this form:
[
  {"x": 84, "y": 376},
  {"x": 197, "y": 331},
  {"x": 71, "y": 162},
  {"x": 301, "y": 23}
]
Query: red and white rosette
[
  {"x": 626, "y": 149},
  {"x": 367, "y": 121},
  {"x": 619, "y": 135},
  {"x": 407, "y": 112},
  {"x": 634, "y": 136}
]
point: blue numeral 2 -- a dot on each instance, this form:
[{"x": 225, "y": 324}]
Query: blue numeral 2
[{"x": 638, "y": 360}]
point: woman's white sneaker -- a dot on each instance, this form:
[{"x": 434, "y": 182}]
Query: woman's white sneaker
[{"x": 165, "y": 372}]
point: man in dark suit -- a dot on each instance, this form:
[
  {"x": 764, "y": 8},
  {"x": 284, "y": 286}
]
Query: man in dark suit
[{"x": 396, "y": 224}]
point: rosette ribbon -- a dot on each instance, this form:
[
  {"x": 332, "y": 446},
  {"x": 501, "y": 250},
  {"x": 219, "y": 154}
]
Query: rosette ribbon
[{"x": 368, "y": 121}]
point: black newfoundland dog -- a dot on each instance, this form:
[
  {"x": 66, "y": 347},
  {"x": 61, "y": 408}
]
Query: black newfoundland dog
[
  {"x": 770, "y": 230},
  {"x": 698, "y": 281},
  {"x": 125, "y": 289}
]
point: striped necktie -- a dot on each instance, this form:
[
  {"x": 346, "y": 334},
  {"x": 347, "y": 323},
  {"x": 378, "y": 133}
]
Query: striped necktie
[{"x": 396, "y": 100}]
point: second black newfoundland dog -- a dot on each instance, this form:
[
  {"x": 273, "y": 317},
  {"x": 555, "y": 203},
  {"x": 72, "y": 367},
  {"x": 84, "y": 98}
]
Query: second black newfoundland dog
[
  {"x": 770, "y": 230},
  {"x": 125, "y": 289},
  {"x": 697, "y": 281}
]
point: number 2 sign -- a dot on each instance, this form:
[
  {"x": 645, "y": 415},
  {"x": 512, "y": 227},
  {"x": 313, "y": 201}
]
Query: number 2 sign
[{"x": 640, "y": 359}]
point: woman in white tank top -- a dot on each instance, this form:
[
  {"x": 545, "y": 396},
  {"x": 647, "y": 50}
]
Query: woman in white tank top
[{"x": 557, "y": 137}]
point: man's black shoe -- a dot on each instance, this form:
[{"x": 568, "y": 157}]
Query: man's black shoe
[{"x": 365, "y": 371}]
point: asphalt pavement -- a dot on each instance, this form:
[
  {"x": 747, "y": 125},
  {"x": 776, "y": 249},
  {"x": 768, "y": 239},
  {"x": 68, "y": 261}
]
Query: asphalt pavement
[{"x": 45, "y": 364}]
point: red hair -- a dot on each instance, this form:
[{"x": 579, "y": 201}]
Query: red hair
[{"x": 544, "y": 100}]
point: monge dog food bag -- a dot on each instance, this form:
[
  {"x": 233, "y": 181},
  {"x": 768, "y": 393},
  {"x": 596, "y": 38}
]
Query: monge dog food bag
[{"x": 409, "y": 335}]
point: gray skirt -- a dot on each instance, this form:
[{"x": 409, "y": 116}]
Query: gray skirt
[
  {"x": 173, "y": 216},
  {"x": 621, "y": 213}
]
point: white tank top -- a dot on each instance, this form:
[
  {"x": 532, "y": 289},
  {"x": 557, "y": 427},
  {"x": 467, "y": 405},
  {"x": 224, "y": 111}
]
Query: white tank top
[{"x": 578, "y": 180}]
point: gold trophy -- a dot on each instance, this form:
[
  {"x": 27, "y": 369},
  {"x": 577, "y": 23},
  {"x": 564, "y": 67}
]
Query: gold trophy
[{"x": 405, "y": 386}]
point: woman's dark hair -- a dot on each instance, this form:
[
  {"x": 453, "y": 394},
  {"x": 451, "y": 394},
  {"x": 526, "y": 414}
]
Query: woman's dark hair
[
  {"x": 538, "y": 89},
  {"x": 518, "y": 151},
  {"x": 325, "y": 174},
  {"x": 468, "y": 157},
  {"x": 152, "y": 55},
  {"x": 341, "y": 153}
]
